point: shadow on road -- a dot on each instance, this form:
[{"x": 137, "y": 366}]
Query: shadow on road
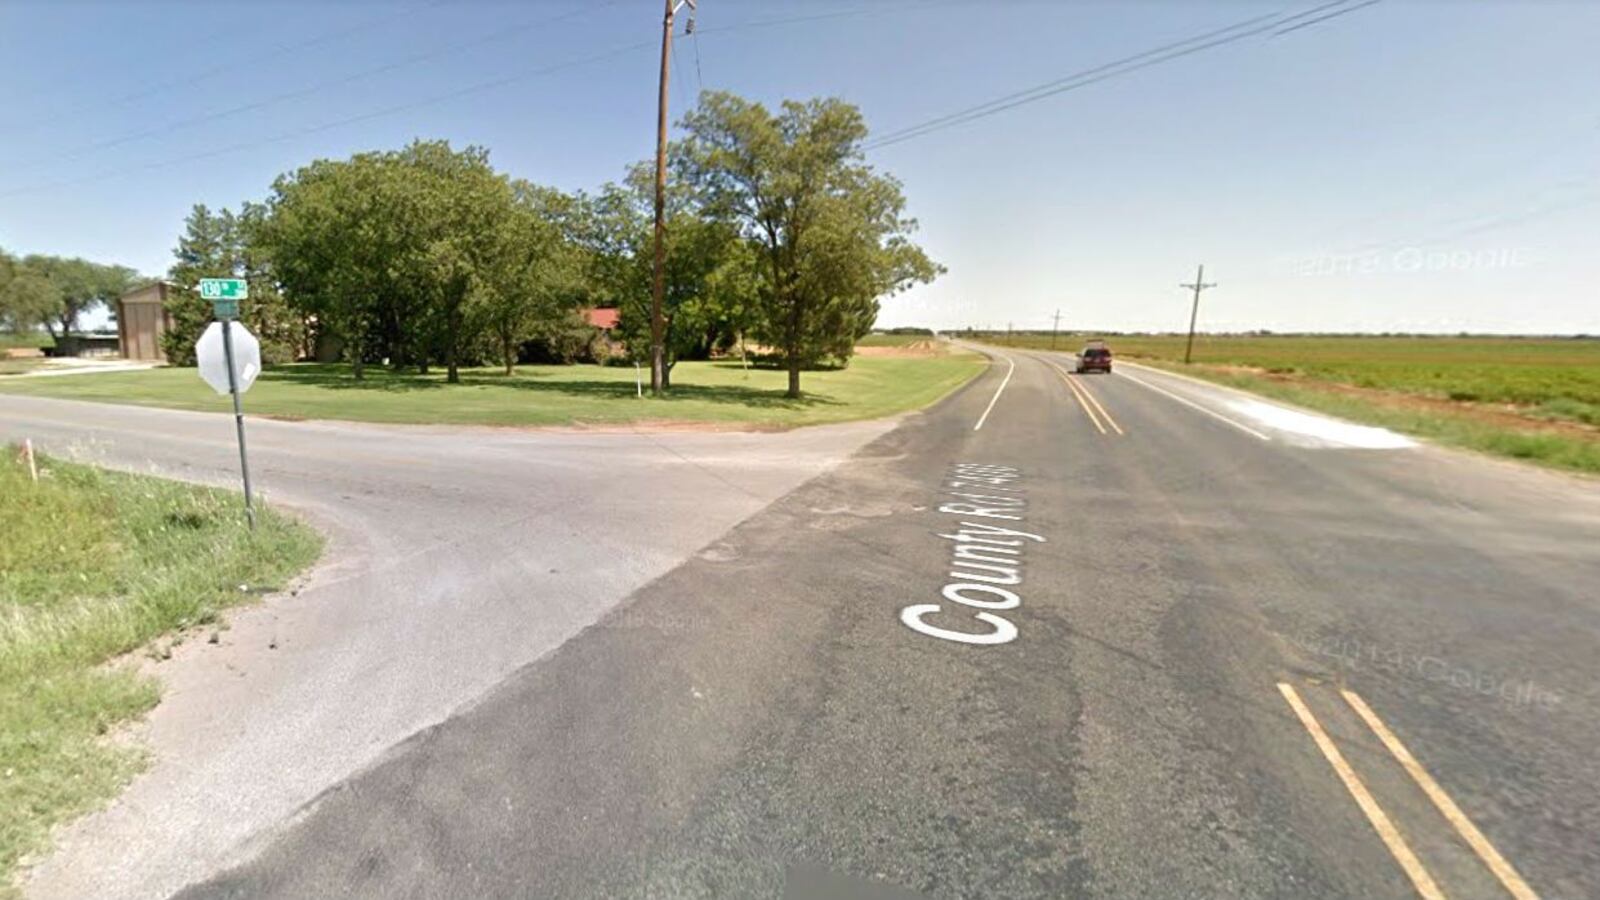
[{"x": 385, "y": 380}]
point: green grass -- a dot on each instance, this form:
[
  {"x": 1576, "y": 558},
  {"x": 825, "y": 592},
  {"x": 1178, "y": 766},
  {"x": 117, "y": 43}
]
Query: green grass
[
  {"x": 711, "y": 392},
  {"x": 10, "y": 339},
  {"x": 94, "y": 565}
]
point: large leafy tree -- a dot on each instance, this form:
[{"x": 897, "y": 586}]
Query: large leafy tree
[
  {"x": 465, "y": 207},
  {"x": 531, "y": 276},
  {"x": 335, "y": 237},
  {"x": 54, "y": 292},
  {"x": 831, "y": 231},
  {"x": 698, "y": 285},
  {"x": 393, "y": 251}
]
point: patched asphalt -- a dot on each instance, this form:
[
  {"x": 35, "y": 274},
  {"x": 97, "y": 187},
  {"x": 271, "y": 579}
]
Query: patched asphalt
[{"x": 759, "y": 721}]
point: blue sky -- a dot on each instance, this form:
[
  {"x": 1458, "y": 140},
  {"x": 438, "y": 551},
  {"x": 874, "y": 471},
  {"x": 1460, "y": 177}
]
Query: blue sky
[{"x": 1420, "y": 166}]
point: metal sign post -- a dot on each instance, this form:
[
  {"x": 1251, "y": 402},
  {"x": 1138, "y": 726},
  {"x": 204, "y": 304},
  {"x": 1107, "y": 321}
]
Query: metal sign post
[
  {"x": 225, "y": 294},
  {"x": 238, "y": 420}
]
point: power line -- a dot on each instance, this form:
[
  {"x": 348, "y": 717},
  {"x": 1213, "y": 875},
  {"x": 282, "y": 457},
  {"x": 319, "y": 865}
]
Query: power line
[
  {"x": 457, "y": 93},
  {"x": 1073, "y": 77},
  {"x": 1145, "y": 59},
  {"x": 202, "y": 75},
  {"x": 870, "y": 9},
  {"x": 1155, "y": 56},
  {"x": 1333, "y": 15},
  {"x": 699, "y": 82},
  {"x": 736, "y": 26},
  {"x": 169, "y": 127}
]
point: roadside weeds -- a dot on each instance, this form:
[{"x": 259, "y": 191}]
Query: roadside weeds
[{"x": 94, "y": 566}]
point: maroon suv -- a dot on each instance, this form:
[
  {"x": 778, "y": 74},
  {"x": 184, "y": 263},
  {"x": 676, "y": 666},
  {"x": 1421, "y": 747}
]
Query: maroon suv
[{"x": 1094, "y": 358}]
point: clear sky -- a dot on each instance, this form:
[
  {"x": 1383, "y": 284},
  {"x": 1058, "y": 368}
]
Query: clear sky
[{"x": 1418, "y": 166}]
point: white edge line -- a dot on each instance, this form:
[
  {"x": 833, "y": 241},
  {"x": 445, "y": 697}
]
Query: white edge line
[
  {"x": 1201, "y": 382},
  {"x": 1190, "y": 403},
  {"x": 1005, "y": 381}
]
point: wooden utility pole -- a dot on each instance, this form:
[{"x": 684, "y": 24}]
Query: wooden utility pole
[
  {"x": 1194, "y": 311},
  {"x": 658, "y": 285},
  {"x": 1055, "y": 328}
]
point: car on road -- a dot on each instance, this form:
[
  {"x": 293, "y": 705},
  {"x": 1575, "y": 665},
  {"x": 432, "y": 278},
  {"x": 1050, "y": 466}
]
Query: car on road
[{"x": 1094, "y": 358}]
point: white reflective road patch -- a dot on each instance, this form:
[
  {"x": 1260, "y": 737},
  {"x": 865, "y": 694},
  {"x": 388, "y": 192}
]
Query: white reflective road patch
[{"x": 1319, "y": 430}]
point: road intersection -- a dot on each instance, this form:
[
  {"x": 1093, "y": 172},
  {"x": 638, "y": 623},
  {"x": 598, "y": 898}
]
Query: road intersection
[{"x": 1247, "y": 652}]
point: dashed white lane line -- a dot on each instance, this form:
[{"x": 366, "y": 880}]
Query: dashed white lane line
[
  {"x": 1005, "y": 381},
  {"x": 1193, "y": 405}
]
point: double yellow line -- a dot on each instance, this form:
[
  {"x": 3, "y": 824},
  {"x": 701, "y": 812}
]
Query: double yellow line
[
  {"x": 1088, "y": 402},
  {"x": 1402, "y": 852}
]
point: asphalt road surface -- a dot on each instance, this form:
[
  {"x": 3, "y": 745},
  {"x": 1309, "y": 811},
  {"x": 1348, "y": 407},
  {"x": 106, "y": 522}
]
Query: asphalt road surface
[
  {"x": 1116, "y": 635},
  {"x": 456, "y": 557}
]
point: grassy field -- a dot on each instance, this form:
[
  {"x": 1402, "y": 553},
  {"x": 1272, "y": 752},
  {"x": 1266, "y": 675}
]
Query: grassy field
[
  {"x": 1530, "y": 398},
  {"x": 94, "y": 565},
  {"x": 718, "y": 393},
  {"x": 895, "y": 340}
]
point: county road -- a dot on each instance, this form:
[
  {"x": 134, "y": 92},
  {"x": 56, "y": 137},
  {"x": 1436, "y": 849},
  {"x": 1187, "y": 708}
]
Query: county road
[{"x": 1122, "y": 635}]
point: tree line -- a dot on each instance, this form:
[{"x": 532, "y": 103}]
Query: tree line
[
  {"x": 777, "y": 233},
  {"x": 54, "y": 293}
]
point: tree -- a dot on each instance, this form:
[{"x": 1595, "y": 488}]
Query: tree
[
  {"x": 391, "y": 250},
  {"x": 697, "y": 248},
  {"x": 279, "y": 327},
  {"x": 27, "y": 299},
  {"x": 222, "y": 244},
  {"x": 206, "y": 249},
  {"x": 830, "y": 230},
  {"x": 531, "y": 275},
  {"x": 55, "y": 291},
  {"x": 333, "y": 236},
  {"x": 462, "y": 233}
]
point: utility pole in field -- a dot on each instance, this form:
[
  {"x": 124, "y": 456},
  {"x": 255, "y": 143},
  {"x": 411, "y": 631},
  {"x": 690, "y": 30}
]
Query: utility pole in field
[
  {"x": 1194, "y": 311},
  {"x": 658, "y": 285},
  {"x": 1055, "y": 328}
]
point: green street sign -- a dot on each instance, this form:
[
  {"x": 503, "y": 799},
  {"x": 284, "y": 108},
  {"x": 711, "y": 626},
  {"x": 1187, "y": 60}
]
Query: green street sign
[
  {"x": 224, "y": 289},
  {"x": 225, "y": 308}
]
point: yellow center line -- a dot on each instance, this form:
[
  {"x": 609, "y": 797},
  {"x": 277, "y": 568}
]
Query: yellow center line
[
  {"x": 1073, "y": 388},
  {"x": 1093, "y": 399},
  {"x": 1469, "y": 832},
  {"x": 1392, "y": 839}
]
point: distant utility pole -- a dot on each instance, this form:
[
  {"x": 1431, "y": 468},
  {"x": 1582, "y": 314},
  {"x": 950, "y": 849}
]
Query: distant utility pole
[
  {"x": 1194, "y": 311},
  {"x": 1055, "y": 328},
  {"x": 658, "y": 285}
]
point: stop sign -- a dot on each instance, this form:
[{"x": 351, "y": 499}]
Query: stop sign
[{"x": 213, "y": 361}]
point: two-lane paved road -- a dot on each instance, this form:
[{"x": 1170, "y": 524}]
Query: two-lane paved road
[
  {"x": 1250, "y": 654},
  {"x": 457, "y": 556}
]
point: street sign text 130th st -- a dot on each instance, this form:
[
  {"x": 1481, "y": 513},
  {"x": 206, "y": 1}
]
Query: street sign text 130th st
[
  {"x": 224, "y": 294},
  {"x": 224, "y": 289}
]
